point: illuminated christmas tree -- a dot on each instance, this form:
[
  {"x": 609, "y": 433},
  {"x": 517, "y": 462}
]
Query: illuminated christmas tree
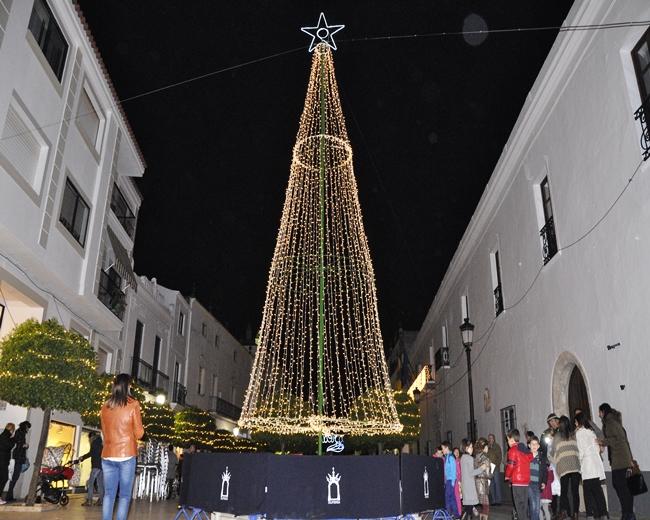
[{"x": 319, "y": 367}]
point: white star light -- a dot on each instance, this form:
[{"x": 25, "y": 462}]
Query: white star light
[{"x": 322, "y": 33}]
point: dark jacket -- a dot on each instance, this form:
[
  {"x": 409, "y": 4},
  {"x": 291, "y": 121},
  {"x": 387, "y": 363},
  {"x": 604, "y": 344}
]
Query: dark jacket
[
  {"x": 518, "y": 465},
  {"x": 95, "y": 453},
  {"x": 620, "y": 456},
  {"x": 20, "y": 439},
  {"x": 6, "y": 444},
  {"x": 542, "y": 471},
  {"x": 495, "y": 455}
]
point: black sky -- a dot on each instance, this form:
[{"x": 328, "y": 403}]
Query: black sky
[{"x": 427, "y": 118}]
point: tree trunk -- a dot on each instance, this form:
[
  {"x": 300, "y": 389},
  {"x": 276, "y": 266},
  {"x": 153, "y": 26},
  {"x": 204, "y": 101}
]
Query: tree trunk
[{"x": 31, "y": 494}]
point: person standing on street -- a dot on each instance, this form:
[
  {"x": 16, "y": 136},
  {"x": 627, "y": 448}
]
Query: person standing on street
[
  {"x": 567, "y": 465},
  {"x": 518, "y": 473},
  {"x": 172, "y": 468},
  {"x": 483, "y": 463},
  {"x": 538, "y": 475},
  {"x": 591, "y": 468},
  {"x": 450, "y": 480},
  {"x": 468, "y": 482},
  {"x": 620, "y": 457},
  {"x": 6, "y": 444},
  {"x": 19, "y": 455},
  {"x": 121, "y": 421},
  {"x": 95, "y": 454},
  {"x": 495, "y": 455}
]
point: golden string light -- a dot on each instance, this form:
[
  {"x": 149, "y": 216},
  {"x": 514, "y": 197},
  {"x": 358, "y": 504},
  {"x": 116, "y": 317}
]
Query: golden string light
[{"x": 321, "y": 240}]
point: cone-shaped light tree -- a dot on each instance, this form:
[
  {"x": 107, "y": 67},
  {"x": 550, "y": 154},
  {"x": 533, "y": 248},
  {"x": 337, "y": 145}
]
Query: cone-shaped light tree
[{"x": 320, "y": 365}]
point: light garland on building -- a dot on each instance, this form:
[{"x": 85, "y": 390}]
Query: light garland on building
[{"x": 320, "y": 363}]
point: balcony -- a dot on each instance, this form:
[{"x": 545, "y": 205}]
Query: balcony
[
  {"x": 122, "y": 211},
  {"x": 143, "y": 373},
  {"x": 110, "y": 292},
  {"x": 161, "y": 382},
  {"x": 223, "y": 407},
  {"x": 549, "y": 241},
  {"x": 179, "y": 394},
  {"x": 641, "y": 115},
  {"x": 498, "y": 300}
]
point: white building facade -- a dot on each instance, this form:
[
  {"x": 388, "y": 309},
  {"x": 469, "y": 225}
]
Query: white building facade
[
  {"x": 552, "y": 269},
  {"x": 68, "y": 204}
]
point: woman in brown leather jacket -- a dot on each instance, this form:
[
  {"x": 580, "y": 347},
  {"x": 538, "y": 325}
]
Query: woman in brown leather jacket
[{"x": 122, "y": 428}]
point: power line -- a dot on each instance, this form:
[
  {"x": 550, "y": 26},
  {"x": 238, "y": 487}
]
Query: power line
[{"x": 559, "y": 28}]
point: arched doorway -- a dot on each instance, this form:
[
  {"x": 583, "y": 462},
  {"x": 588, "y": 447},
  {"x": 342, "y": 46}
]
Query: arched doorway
[
  {"x": 578, "y": 396},
  {"x": 570, "y": 390}
]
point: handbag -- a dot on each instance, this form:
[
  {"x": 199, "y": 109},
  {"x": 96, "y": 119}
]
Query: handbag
[{"x": 635, "y": 481}]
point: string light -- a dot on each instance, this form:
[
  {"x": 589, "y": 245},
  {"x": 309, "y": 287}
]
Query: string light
[{"x": 284, "y": 390}]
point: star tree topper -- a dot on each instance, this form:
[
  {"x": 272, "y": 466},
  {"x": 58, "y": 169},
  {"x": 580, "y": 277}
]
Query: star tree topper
[{"x": 322, "y": 33}]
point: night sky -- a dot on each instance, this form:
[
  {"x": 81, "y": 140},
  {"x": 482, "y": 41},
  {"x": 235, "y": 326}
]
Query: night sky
[{"x": 427, "y": 117}]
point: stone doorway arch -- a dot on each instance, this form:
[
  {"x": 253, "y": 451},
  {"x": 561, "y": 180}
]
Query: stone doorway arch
[{"x": 570, "y": 389}]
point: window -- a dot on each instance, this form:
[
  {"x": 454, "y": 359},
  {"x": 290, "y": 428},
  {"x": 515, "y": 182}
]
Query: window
[
  {"x": 23, "y": 148},
  {"x": 234, "y": 356},
  {"x": 102, "y": 361},
  {"x": 215, "y": 386},
  {"x": 181, "y": 323},
  {"x": 74, "y": 213},
  {"x": 201, "y": 385},
  {"x": 464, "y": 307},
  {"x": 2, "y": 313},
  {"x": 495, "y": 267},
  {"x": 122, "y": 211},
  {"x": 216, "y": 340},
  {"x": 204, "y": 330},
  {"x": 547, "y": 233},
  {"x": 49, "y": 37},
  {"x": 508, "y": 422},
  {"x": 641, "y": 59},
  {"x": 88, "y": 121}
]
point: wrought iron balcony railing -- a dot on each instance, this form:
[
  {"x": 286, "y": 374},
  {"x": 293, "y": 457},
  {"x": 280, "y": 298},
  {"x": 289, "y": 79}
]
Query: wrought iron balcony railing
[
  {"x": 161, "y": 381},
  {"x": 549, "y": 241},
  {"x": 179, "y": 394},
  {"x": 498, "y": 300},
  {"x": 641, "y": 115},
  {"x": 111, "y": 295},
  {"x": 143, "y": 373},
  {"x": 223, "y": 407},
  {"x": 122, "y": 211}
]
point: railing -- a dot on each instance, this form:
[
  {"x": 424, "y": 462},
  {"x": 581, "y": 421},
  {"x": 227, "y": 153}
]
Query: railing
[
  {"x": 111, "y": 295},
  {"x": 161, "y": 381},
  {"x": 143, "y": 373},
  {"x": 223, "y": 407},
  {"x": 641, "y": 115},
  {"x": 179, "y": 394},
  {"x": 122, "y": 211},
  {"x": 549, "y": 241},
  {"x": 498, "y": 300}
]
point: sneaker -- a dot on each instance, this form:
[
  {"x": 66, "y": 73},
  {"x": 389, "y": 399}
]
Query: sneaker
[
  {"x": 99, "y": 502},
  {"x": 2, "y": 502},
  {"x": 87, "y": 503}
]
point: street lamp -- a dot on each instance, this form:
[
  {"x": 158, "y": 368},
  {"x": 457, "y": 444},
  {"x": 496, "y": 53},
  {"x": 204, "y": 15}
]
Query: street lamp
[{"x": 467, "y": 334}]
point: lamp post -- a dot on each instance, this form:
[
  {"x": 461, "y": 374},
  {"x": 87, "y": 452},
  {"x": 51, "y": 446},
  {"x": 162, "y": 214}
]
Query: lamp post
[{"x": 467, "y": 334}]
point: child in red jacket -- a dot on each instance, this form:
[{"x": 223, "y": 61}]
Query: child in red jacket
[{"x": 518, "y": 473}]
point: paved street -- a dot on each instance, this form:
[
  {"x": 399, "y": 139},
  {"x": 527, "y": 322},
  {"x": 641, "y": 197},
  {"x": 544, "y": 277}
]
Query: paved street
[{"x": 167, "y": 511}]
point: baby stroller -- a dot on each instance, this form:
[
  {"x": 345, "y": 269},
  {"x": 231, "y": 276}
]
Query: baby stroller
[{"x": 52, "y": 485}]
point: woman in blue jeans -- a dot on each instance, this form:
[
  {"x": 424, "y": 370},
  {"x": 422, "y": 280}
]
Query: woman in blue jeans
[{"x": 122, "y": 428}]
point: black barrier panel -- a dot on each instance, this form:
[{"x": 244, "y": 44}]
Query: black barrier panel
[
  {"x": 333, "y": 487},
  {"x": 423, "y": 484},
  {"x": 226, "y": 482}
]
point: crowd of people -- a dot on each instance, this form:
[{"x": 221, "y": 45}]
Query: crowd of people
[{"x": 544, "y": 473}]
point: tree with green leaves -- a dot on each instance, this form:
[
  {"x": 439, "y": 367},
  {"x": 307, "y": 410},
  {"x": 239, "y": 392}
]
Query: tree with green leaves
[
  {"x": 43, "y": 365},
  {"x": 159, "y": 422}
]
